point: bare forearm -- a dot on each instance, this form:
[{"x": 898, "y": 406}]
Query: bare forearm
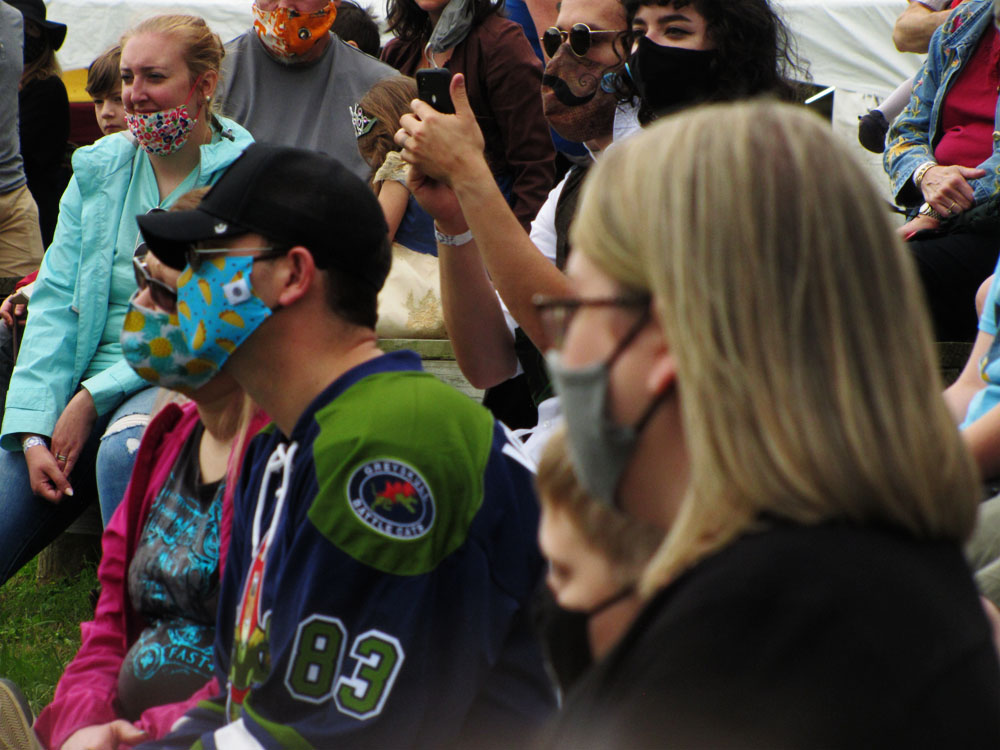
[
  {"x": 959, "y": 394},
  {"x": 484, "y": 347},
  {"x": 515, "y": 266},
  {"x": 915, "y": 26}
]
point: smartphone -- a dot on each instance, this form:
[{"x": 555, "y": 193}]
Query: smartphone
[{"x": 432, "y": 87}]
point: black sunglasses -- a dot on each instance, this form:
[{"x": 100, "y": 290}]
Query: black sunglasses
[
  {"x": 164, "y": 296},
  {"x": 580, "y": 39}
]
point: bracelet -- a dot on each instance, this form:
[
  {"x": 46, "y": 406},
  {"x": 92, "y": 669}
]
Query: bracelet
[
  {"x": 918, "y": 175},
  {"x": 927, "y": 210},
  {"x": 452, "y": 240},
  {"x": 31, "y": 441}
]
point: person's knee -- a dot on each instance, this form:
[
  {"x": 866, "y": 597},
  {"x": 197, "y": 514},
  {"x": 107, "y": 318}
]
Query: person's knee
[{"x": 115, "y": 458}]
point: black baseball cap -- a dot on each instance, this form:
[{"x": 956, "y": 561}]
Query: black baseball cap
[
  {"x": 34, "y": 10},
  {"x": 291, "y": 196}
]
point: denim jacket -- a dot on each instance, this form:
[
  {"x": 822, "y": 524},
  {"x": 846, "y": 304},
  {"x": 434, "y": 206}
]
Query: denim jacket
[
  {"x": 69, "y": 304},
  {"x": 917, "y": 129}
]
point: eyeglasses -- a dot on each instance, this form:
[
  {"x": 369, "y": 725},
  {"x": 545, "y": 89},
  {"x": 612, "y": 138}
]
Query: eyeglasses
[
  {"x": 164, "y": 296},
  {"x": 557, "y": 312},
  {"x": 195, "y": 256},
  {"x": 580, "y": 37}
]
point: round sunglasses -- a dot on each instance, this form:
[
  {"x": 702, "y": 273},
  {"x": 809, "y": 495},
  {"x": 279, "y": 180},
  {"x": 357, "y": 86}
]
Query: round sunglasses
[{"x": 580, "y": 38}]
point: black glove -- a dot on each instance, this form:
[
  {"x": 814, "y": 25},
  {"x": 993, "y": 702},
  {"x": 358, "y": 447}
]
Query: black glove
[{"x": 871, "y": 131}]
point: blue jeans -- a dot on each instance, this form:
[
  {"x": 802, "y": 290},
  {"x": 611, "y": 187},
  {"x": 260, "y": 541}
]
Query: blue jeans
[{"x": 29, "y": 523}]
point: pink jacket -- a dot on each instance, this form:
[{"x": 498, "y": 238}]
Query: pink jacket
[{"x": 87, "y": 692}]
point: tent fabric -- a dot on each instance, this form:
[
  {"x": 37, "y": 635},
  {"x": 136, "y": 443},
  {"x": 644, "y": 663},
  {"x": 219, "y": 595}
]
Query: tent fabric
[{"x": 847, "y": 43}]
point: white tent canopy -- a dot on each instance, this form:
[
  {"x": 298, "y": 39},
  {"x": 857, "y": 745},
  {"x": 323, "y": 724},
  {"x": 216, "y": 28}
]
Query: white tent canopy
[{"x": 848, "y": 43}]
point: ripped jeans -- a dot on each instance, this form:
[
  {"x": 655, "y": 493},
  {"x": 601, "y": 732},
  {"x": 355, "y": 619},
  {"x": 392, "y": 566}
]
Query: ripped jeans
[{"x": 29, "y": 523}]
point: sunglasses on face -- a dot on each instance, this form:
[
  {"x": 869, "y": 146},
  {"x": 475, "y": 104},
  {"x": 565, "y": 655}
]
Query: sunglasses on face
[
  {"x": 580, "y": 39},
  {"x": 197, "y": 256},
  {"x": 164, "y": 296}
]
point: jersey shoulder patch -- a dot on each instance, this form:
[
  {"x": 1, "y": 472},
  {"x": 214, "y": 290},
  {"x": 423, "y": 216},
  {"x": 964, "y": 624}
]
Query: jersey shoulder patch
[{"x": 399, "y": 462}]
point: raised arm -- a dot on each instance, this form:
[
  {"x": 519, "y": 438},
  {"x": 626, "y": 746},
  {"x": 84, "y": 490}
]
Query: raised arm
[
  {"x": 483, "y": 345},
  {"x": 449, "y": 148}
]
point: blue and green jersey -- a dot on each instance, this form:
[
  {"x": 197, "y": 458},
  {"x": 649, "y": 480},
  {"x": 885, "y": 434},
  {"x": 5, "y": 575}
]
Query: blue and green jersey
[{"x": 384, "y": 604}]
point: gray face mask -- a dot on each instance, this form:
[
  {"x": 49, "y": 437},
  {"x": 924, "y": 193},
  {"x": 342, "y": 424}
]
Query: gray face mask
[{"x": 599, "y": 449}]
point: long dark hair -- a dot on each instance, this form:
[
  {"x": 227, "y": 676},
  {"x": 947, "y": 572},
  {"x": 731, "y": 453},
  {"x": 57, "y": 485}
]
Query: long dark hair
[
  {"x": 411, "y": 24},
  {"x": 755, "y": 53}
]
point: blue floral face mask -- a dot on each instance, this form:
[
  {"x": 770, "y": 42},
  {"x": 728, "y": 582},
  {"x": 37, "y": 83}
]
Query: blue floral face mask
[
  {"x": 217, "y": 307},
  {"x": 154, "y": 346}
]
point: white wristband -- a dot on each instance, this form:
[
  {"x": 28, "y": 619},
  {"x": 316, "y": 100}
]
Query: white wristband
[
  {"x": 31, "y": 441},
  {"x": 452, "y": 240}
]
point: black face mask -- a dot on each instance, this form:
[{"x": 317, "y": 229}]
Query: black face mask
[
  {"x": 566, "y": 636},
  {"x": 669, "y": 78}
]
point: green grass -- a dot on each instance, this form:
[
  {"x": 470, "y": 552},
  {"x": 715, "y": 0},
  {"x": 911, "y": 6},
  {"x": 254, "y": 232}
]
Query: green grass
[{"x": 40, "y": 629}]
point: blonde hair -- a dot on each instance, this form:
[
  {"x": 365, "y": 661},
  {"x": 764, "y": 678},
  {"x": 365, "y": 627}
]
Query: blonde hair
[
  {"x": 624, "y": 540},
  {"x": 806, "y": 373},
  {"x": 203, "y": 50}
]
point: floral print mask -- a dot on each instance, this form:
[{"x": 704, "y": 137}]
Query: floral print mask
[{"x": 165, "y": 132}]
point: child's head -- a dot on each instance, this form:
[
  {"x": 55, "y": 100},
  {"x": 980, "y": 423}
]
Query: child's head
[
  {"x": 594, "y": 551},
  {"x": 381, "y": 108},
  {"x": 356, "y": 26},
  {"x": 104, "y": 85}
]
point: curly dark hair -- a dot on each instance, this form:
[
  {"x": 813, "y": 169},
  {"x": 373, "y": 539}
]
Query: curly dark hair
[
  {"x": 755, "y": 53},
  {"x": 408, "y": 22}
]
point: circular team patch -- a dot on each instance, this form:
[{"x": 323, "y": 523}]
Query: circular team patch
[{"x": 391, "y": 498}]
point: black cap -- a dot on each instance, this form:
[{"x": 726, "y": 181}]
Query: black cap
[
  {"x": 34, "y": 10},
  {"x": 290, "y": 196}
]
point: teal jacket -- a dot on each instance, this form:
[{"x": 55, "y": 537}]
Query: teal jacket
[{"x": 69, "y": 304}]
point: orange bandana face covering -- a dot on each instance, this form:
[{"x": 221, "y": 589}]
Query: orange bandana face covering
[{"x": 288, "y": 34}]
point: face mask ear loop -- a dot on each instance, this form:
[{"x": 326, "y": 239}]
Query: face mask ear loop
[
  {"x": 629, "y": 336},
  {"x": 623, "y": 593},
  {"x": 194, "y": 87}
]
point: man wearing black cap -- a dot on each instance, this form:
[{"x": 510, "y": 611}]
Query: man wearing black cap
[{"x": 383, "y": 538}]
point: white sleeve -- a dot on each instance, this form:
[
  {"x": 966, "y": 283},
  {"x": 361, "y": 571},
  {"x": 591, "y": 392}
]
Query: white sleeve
[{"x": 543, "y": 235}]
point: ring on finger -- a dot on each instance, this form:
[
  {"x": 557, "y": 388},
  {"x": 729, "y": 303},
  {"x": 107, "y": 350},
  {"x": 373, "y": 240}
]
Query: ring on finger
[{"x": 61, "y": 457}]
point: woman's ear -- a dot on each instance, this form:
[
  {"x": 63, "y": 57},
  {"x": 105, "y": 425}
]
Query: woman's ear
[
  {"x": 662, "y": 372},
  {"x": 206, "y": 87}
]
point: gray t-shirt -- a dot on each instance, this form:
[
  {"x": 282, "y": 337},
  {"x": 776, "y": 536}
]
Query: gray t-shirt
[
  {"x": 303, "y": 105},
  {"x": 11, "y": 65}
]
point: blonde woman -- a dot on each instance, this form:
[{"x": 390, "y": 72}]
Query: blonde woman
[
  {"x": 71, "y": 382},
  {"x": 756, "y": 342}
]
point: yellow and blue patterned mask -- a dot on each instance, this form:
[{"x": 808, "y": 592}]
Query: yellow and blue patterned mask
[
  {"x": 154, "y": 346},
  {"x": 217, "y": 307}
]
